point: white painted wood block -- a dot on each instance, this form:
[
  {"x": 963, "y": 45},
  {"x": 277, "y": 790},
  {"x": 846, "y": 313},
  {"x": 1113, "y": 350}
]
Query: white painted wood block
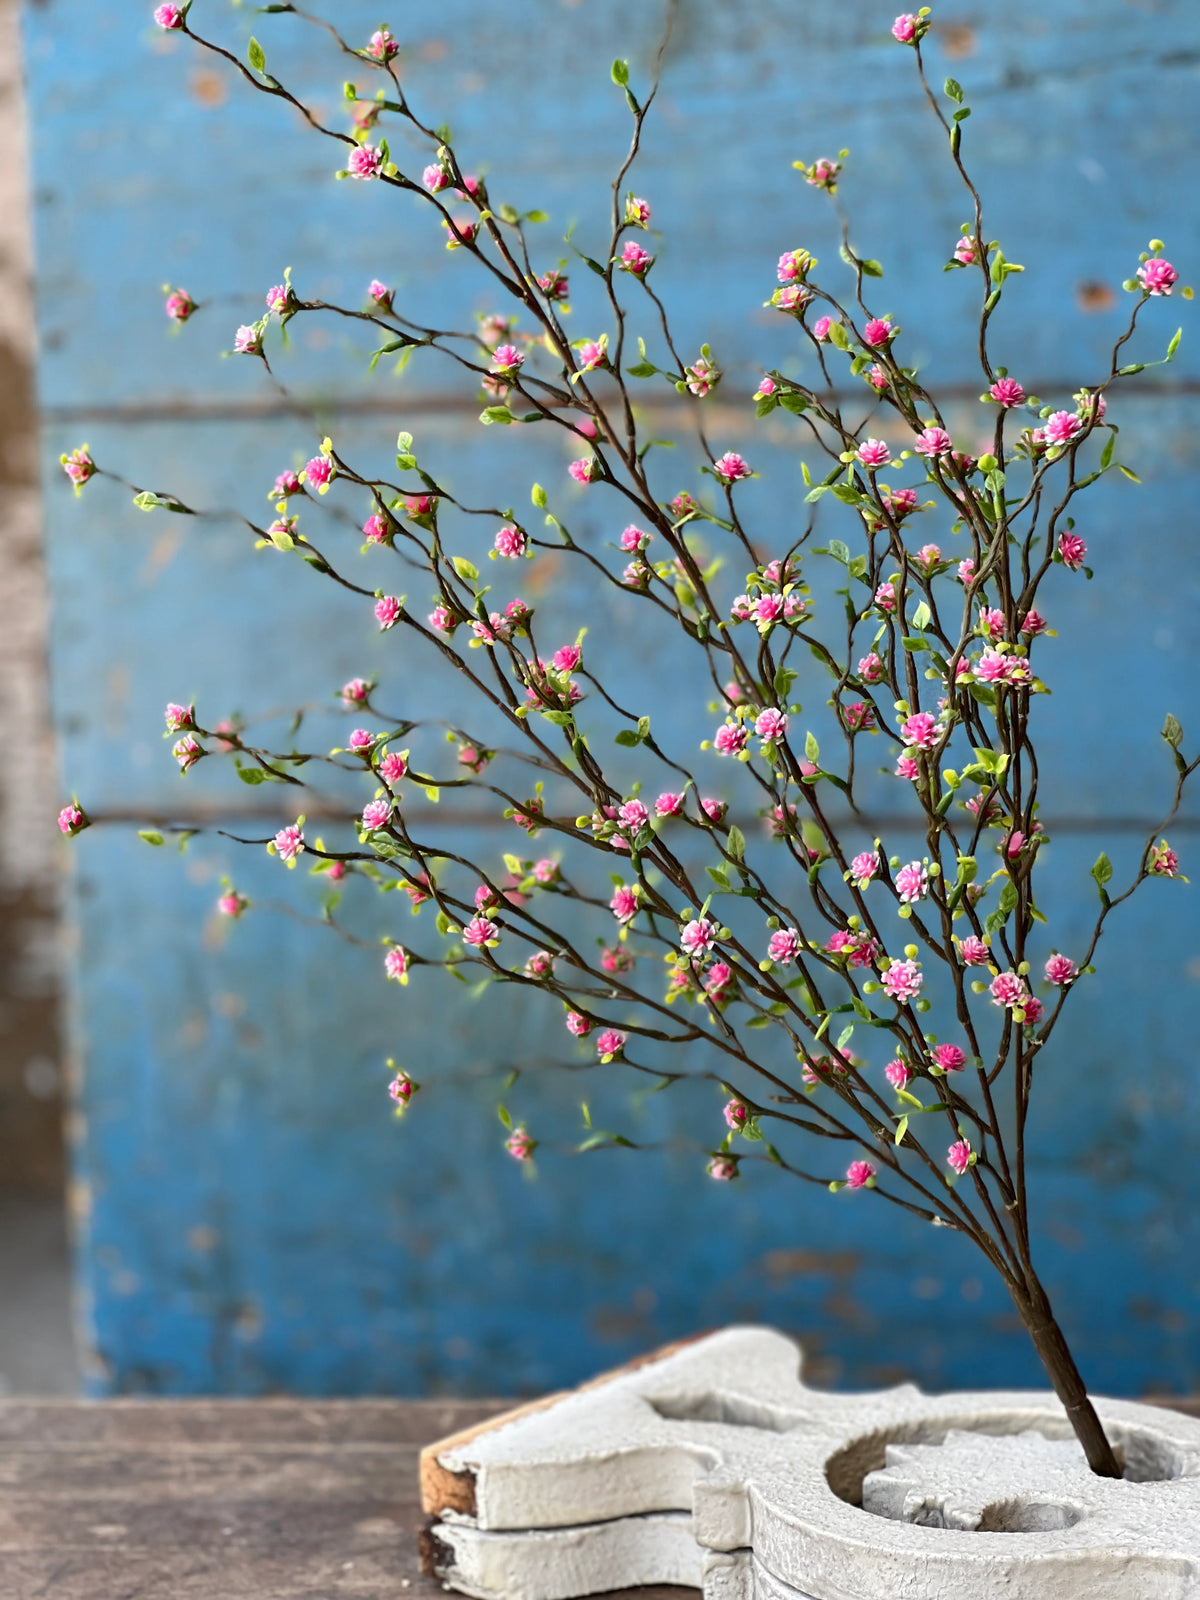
[{"x": 714, "y": 1464}]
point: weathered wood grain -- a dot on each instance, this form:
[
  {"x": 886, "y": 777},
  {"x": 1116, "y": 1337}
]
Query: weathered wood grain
[{"x": 232, "y": 1501}]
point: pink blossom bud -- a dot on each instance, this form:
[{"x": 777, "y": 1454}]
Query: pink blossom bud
[
  {"x": 180, "y": 718},
  {"x": 767, "y": 386},
  {"x": 768, "y": 609},
  {"x": 377, "y": 529},
  {"x": 382, "y": 47},
  {"x": 179, "y": 305},
  {"x": 1061, "y": 970},
  {"x": 442, "y": 620},
  {"x": 784, "y": 946},
  {"x": 1033, "y": 1010},
  {"x": 392, "y": 768},
  {"x": 511, "y": 542},
  {"x": 1007, "y": 392},
  {"x": 723, "y": 1168},
  {"x": 585, "y": 470},
  {"x": 736, "y": 1114},
  {"x": 973, "y": 952},
  {"x": 906, "y": 767},
  {"x": 912, "y": 883},
  {"x": 633, "y": 815},
  {"x": 232, "y": 904},
  {"x": 717, "y": 979},
  {"x": 553, "y": 285},
  {"x": 72, "y": 820},
  {"x": 859, "y": 1175},
  {"x": 964, "y": 251},
  {"x": 247, "y": 341},
  {"x": 319, "y": 472},
  {"x": 520, "y": 1146},
  {"x": 771, "y": 725},
  {"x": 1071, "y": 550},
  {"x": 402, "y": 1088},
  {"x": 168, "y": 16},
  {"x": 592, "y": 355},
  {"x": 187, "y": 751},
  {"x": 870, "y": 669},
  {"x": 1007, "y": 989},
  {"x": 624, "y": 903},
  {"x": 480, "y": 931},
  {"x": 1033, "y": 623},
  {"x": 609, "y": 1043},
  {"x": 1157, "y": 276},
  {"x": 637, "y": 211},
  {"x": 365, "y": 161},
  {"x": 730, "y": 467},
  {"x": 507, "y": 358},
  {"x": 567, "y": 657},
  {"x": 356, "y": 691},
  {"x": 949, "y": 1057},
  {"x": 434, "y": 178},
  {"x": 698, "y": 938},
  {"x": 864, "y": 867},
  {"x": 929, "y": 556},
  {"x": 635, "y": 259},
  {"x": 966, "y": 572},
  {"x": 634, "y": 539},
  {"x": 289, "y": 842},
  {"x": 903, "y": 981},
  {"x": 877, "y": 377},
  {"x": 873, "y": 454},
  {"x": 877, "y": 332},
  {"x": 906, "y": 28},
  {"x": 920, "y": 731},
  {"x": 730, "y": 739},
  {"x": 668, "y": 805},
  {"x": 932, "y": 442},
  {"x": 79, "y": 466},
  {"x": 714, "y": 810},
  {"x": 1063, "y": 426},
  {"x": 361, "y": 740},
  {"x": 885, "y": 595},
  {"x": 388, "y": 611},
  {"x": 898, "y": 1073},
  {"x": 377, "y": 814},
  {"x": 579, "y": 1025},
  {"x": 381, "y": 294},
  {"x": 1162, "y": 861},
  {"x": 959, "y": 1155}
]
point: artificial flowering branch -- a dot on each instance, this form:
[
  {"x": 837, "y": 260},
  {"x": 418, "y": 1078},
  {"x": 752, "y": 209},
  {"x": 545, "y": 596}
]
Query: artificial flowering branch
[{"x": 781, "y": 945}]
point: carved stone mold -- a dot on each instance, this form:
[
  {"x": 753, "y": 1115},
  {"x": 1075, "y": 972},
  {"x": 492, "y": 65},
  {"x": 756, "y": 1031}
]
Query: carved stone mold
[{"x": 711, "y": 1464}]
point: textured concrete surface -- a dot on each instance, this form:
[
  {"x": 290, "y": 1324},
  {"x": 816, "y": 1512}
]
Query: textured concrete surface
[{"x": 36, "y": 1352}]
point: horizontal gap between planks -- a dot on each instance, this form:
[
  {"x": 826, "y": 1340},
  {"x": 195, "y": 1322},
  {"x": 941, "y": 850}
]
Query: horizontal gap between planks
[
  {"x": 452, "y": 405},
  {"x": 877, "y": 822}
]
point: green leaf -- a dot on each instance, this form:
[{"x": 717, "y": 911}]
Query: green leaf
[
  {"x": 386, "y": 350},
  {"x": 1174, "y": 344},
  {"x": 901, "y": 1130},
  {"x": 736, "y": 843},
  {"x": 492, "y": 414},
  {"x": 537, "y": 216},
  {"x": 146, "y": 501},
  {"x": 844, "y": 1038},
  {"x": 1130, "y": 474},
  {"x": 759, "y": 1022},
  {"x": 954, "y": 91},
  {"x": 922, "y": 616},
  {"x": 628, "y": 738},
  {"x": 1102, "y": 871},
  {"x": 784, "y": 678},
  {"x": 255, "y": 56},
  {"x": 1106, "y": 454},
  {"x": 719, "y": 876},
  {"x": 838, "y": 550},
  {"x": 641, "y": 369},
  {"x": 871, "y": 269},
  {"x": 466, "y": 570},
  {"x": 538, "y": 495},
  {"x": 620, "y": 73},
  {"x": 812, "y": 750},
  {"x": 252, "y": 775},
  {"x": 151, "y": 835},
  {"x": 1172, "y": 732}
]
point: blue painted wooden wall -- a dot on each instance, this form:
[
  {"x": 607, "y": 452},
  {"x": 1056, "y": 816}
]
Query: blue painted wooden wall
[{"x": 250, "y": 1218}]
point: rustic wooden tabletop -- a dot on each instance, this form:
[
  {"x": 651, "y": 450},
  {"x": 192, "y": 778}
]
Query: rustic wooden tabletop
[{"x": 221, "y": 1499}]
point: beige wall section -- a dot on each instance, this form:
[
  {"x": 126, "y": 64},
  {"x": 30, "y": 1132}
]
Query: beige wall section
[{"x": 30, "y": 1055}]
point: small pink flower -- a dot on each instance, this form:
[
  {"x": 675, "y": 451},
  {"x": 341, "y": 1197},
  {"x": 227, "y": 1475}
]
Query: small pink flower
[
  {"x": 247, "y": 341},
  {"x": 635, "y": 259},
  {"x": 392, "y": 768},
  {"x": 286, "y": 485},
  {"x": 1061, "y": 969},
  {"x": 486, "y": 898},
  {"x": 633, "y": 539},
  {"x": 168, "y": 16},
  {"x": 736, "y": 1114},
  {"x": 546, "y": 871},
  {"x": 857, "y": 717},
  {"x": 480, "y": 931},
  {"x": 180, "y": 718},
  {"x": 1007, "y": 990},
  {"x": 289, "y": 842},
  {"x": 279, "y": 298},
  {"x": 585, "y": 470},
  {"x": 820, "y": 329},
  {"x": 698, "y": 938},
  {"x": 873, "y": 454},
  {"x": 319, "y": 472},
  {"x": 361, "y": 740},
  {"x": 907, "y": 28},
  {"x": 365, "y": 161},
  {"x": 898, "y": 1073},
  {"x": 912, "y": 883},
  {"x": 592, "y": 355},
  {"x": 717, "y": 979},
  {"x": 1033, "y": 1010},
  {"x": 702, "y": 377},
  {"x": 179, "y": 305},
  {"x": 356, "y": 691},
  {"x": 71, "y": 820},
  {"x": 187, "y": 751},
  {"x": 859, "y": 1175},
  {"x": 553, "y": 285},
  {"x": 382, "y": 47},
  {"x": 949, "y": 1057},
  {"x": 381, "y": 294},
  {"x": 793, "y": 265},
  {"x": 510, "y": 542},
  {"x": 973, "y": 952},
  {"x": 730, "y": 739},
  {"x": 1162, "y": 861},
  {"x": 767, "y": 386},
  {"x": 1007, "y": 392},
  {"x": 768, "y": 609},
  {"x": 877, "y": 332},
  {"x": 520, "y": 1146},
  {"x": 540, "y": 965},
  {"x": 388, "y": 611},
  {"x": 507, "y": 358},
  {"x": 633, "y": 815},
  {"x": 232, "y": 904},
  {"x": 443, "y": 620},
  {"x": 1157, "y": 276},
  {"x": 668, "y": 805},
  {"x": 1090, "y": 403},
  {"x": 579, "y": 1025},
  {"x": 714, "y": 810},
  {"x": 402, "y": 1088},
  {"x": 966, "y": 572},
  {"x": 906, "y": 767},
  {"x": 567, "y": 657},
  {"x": 624, "y": 904},
  {"x": 785, "y": 946},
  {"x": 377, "y": 529},
  {"x": 964, "y": 251},
  {"x": 903, "y": 980},
  {"x": 960, "y": 1155},
  {"x": 991, "y": 667},
  {"x": 863, "y": 868},
  {"x": 434, "y": 178},
  {"x": 885, "y": 595},
  {"x": 877, "y": 377},
  {"x": 1033, "y": 623},
  {"x": 730, "y": 467},
  {"x": 920, "y": 731},
  {"x": 377, "y": 814},
  {"x": 1072, "y": 550},
  {"x": 932, "y": 442},
  {"x": 609, "y": 1043},
  {"x": 823, "y": 173},
  {"x": 616, "y": 959},
  {"x": 637, "y": 211},
  {"x": 929, "y": 556},
  {"x": 723, "y": 1168},
  {"x": 870, "y": 669},
  {"x": 1063, "y": 426},
  {"x": 771, "y": 725}
]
